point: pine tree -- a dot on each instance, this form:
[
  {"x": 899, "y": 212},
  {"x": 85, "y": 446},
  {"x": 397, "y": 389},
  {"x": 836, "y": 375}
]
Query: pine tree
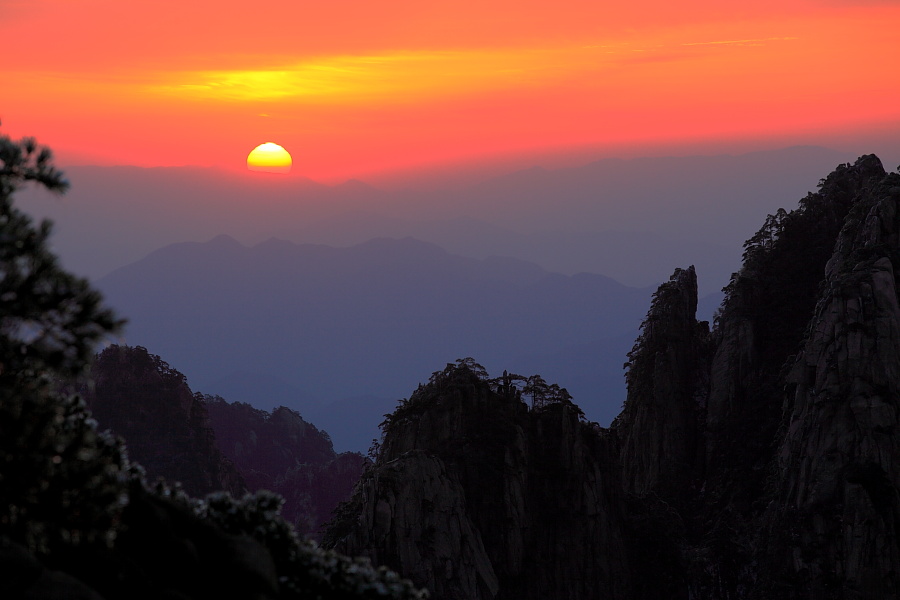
[{"x": 60, "y": 481}]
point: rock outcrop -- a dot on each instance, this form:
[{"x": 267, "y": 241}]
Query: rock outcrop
[
  {"x": 477, "y": 497},
  {"x": 760, "y": 328},
  {"x": 836, "y": 515},
  {"x": 758, "y": 460},
  {"x": 667, "y": 389}
]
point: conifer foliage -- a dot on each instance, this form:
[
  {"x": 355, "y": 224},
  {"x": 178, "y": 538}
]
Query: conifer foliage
[{"x": 60, "y": 481}]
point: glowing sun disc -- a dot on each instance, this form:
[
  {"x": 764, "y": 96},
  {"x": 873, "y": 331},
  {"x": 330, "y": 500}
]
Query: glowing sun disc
[{"x": 269, "y": 158}]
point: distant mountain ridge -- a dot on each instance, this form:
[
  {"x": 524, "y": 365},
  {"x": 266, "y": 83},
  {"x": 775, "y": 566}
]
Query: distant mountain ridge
[
  {"x": 613, "y": 216},
  {"x": 334, "y": 323}
]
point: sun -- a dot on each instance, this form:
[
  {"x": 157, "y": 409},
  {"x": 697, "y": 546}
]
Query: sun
[{"x": 269, "y": 158}]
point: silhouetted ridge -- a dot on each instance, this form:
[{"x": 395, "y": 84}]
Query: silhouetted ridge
[
  {"x": 140, "y": 397},
  {"x": 758, "y": 461},
  {"x": 283, "y": 453},
  {"x": 404, "y": 249},
  {"x": 209, "y": 445},
  {"x": 274, "y": 245},
  {"x": 224, "y": 241},
  {"x": 765, "y": 314},
  {"x": 475, "y": 495},
  {"x": 834, "y": 523},
  {"x": 667, "y": 388}
]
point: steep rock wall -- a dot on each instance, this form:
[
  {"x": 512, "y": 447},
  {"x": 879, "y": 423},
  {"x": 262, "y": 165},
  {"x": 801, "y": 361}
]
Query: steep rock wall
[
  {"x": 758, "y": 462},
  {"x": 478, "y": 498},
  {"x": 763, "y": 322},
  {"x": 836, "y": 518},
  {"x": 758, "y": 332},
  {"x": 667, "y": 388}
]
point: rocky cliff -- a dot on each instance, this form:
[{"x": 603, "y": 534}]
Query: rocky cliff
[
  {"x": 477, "y": 497},
  {"x": 760, "y": 328},
  {"x": 667, "y": 393},
  {"x": 756, "y": 460},
  {"x": 835, "y": 518}
]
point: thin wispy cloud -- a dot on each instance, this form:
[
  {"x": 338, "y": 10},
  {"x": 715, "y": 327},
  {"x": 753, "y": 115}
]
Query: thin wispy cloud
[
  {"x": 409, "y": 75},
  {"x": 748, "y": 42}
]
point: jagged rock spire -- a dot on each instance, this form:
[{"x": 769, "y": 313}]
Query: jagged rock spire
[{"x": 666, "y": 392}]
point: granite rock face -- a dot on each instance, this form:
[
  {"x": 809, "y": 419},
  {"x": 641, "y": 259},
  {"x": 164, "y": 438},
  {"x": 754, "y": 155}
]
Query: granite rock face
[
  {"x": 762, "y": 324},
  {"x": 757, "y": 460},
  {"x": 477, "y": 497},
  {"x": 432, "y": 540},
  {"x": 667, "y": 389},
  {"x": 836, "y": 517},
  {"x": 760, "y": 328}
]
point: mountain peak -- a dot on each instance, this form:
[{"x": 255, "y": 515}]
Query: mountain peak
[
  {"x": 224, "y": 241},
  {"x": 759, "y": 461}
]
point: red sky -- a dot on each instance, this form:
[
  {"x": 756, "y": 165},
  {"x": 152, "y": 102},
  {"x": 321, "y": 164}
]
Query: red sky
[{"x": 352, "y": 87}]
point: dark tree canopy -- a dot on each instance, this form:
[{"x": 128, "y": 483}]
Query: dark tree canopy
[
  {"x": 62, "y": 482},
  {"x": 50, "y": 320}
]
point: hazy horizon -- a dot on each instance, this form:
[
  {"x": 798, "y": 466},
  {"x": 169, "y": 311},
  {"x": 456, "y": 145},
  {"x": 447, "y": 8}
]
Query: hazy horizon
[
  {"x": 619, "y": 140},
  {"x": 631, "y": 219}
]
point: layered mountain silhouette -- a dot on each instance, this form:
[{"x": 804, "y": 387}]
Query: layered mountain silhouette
[
  {"x": 140, "y": 397},
  {"x": 757, "y": 459},
  {"x": 281, "y": 452},
  {"x": 628, "y": 219},
  {"x": 305, "y": 325},
  {"x": 207, "y": 444}
]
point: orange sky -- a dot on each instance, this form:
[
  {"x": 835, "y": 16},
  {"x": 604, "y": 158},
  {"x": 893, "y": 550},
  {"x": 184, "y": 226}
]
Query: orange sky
[{"x": 351, "y": 87}]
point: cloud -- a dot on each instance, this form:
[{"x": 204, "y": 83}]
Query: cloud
[
  {"x": 402, "y": 76},
  {"x": 407, "y": 76},
  {"x": 748, "y": 42}
]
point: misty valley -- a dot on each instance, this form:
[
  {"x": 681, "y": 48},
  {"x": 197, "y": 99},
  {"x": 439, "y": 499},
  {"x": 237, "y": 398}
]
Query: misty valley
[{"x": 397, "y": 417}]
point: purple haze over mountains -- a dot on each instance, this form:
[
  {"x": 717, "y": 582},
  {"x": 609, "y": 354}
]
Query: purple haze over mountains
[
  {"x": 633, "y": 220},
  {"x": 305, "y": 325},
  {"x": 340, "y": 333}
]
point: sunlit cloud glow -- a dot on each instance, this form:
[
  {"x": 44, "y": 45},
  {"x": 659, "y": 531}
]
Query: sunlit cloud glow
[{"x": 354, "y": 87}]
